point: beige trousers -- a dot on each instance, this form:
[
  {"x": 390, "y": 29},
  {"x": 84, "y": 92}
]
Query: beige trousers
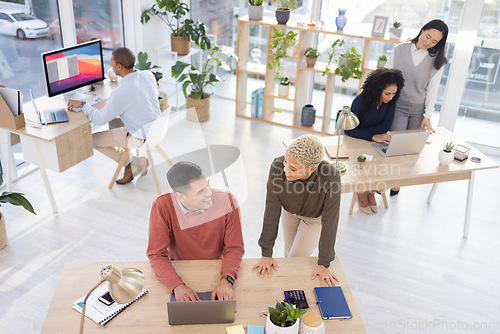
[
  {"x": 112, "y": 143},
  {"x": 301, "y": 233}
]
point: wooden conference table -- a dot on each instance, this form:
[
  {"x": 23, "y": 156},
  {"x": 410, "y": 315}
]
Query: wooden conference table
[
  {"x": 407, "y": 170},
  {"x": 149, "y": 314},
  {"x": 56, "y": 146}
]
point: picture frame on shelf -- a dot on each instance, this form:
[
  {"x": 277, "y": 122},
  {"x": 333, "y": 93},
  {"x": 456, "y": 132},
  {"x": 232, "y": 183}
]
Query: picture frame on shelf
[{"x": 379, "y": 25}]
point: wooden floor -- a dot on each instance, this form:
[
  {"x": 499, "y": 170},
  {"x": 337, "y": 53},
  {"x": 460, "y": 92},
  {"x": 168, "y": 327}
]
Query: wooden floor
[{"x": 408, "y": 266}]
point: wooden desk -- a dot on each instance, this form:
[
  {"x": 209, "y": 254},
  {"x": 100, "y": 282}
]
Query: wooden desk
[
  {"x": 149, "y": 314},
  {"x": 55, "y": 146},
  {"x": 407, "y": 170}
]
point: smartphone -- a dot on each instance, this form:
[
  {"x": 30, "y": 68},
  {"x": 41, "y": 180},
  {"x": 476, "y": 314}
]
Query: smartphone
[
  {"x": 106, "y": 299},
  {"x": 297, "y": 298}
]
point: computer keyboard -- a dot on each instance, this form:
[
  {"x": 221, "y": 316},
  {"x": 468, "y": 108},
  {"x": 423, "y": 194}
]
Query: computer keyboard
[{"x": 96, "y": 99}]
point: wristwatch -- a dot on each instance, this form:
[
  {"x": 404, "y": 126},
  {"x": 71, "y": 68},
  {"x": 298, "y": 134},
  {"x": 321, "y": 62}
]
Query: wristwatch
[
  {"x": 83, "y": 103},
  {"x": 229, "y": 279}
]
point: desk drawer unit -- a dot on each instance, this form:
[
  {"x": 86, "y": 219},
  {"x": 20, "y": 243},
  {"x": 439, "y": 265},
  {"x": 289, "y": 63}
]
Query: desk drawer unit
[{"x": 61, "y": 153}]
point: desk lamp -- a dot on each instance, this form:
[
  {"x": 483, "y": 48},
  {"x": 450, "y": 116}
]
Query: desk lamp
[
  {"x": 346, "y": 120},
  {"x": 124, "y": 286}
]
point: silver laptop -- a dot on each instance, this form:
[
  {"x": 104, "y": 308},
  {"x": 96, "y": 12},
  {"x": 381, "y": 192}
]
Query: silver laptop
[
  {"x": 205, "y": 311},
  {"x": 403, "y": 144},
  {"x": 49, "y": 116}
]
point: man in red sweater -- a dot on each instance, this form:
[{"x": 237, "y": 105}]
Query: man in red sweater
[{"x": 194, "y": 222}]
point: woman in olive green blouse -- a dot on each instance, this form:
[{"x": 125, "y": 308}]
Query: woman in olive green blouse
[{"x": 305, "y": 191}]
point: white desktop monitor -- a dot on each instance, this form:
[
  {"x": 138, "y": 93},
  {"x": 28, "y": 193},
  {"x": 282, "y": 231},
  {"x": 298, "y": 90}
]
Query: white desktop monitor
[{"x": 70, "y": 68}]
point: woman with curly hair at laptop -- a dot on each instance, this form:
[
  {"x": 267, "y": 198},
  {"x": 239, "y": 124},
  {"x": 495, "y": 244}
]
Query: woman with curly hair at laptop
[
  {"x": 375, "y": 108},
  {"x": 305, "y": 191}
]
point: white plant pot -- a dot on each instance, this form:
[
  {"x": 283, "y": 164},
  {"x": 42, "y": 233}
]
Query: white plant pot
[
  {"x": 445, "y": 158},
  {"x": 395, "y": 33},
  {"x": 290, "y": 52},
  {"x": 255, "y": 12},
  {"x": 273, "y": 329},
  {"x": 283, "y": 90}
]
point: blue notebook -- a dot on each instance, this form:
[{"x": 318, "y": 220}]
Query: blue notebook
[{"x": 332, "y": 303}]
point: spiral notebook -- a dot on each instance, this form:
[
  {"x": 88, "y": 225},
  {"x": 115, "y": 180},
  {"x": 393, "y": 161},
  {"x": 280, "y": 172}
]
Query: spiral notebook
[{"x": 97, "y": 310}]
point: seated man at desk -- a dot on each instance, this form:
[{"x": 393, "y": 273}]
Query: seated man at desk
[
  {"x": 194, "y": 222},
  {"x": 135, "y": 102}
]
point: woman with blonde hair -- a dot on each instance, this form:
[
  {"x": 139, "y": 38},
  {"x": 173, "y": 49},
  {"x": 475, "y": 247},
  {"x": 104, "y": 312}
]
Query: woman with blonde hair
[{"x": 305, "y": 191}]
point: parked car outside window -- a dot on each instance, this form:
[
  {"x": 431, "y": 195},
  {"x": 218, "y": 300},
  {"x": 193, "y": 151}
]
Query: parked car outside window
[
  {"x": 22, "y": 25},
  {"x": 87, "y": 30}
]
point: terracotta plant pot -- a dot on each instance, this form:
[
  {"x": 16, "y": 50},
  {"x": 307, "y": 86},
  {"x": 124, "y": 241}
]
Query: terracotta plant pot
[
  {"x": 311, "y": 61},
  {"x": 179, "y": 45},
  {"x": 198, "y": 111},
  {"x": 361, "y": 164}
]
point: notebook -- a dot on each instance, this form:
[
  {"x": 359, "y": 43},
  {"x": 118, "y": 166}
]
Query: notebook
[
  {"x": 207, "y": 311},
  {"x": 98, "y": 311},
  {"x": 403, "y": 144},
  {"x": 331, "y": 151},
  {"x": 49, "y": 116},
  {"x": 332, "y": 303}
]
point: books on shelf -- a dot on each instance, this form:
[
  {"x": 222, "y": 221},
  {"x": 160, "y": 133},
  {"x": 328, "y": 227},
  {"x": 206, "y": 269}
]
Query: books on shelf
[
  {"x": 257, "y": 103},
  {"x": 332, "y": 303},
  {"x": 97, "y": 310}
]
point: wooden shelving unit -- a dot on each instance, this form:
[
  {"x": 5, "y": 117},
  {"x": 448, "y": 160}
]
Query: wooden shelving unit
[{"x": 304, "y": 82}]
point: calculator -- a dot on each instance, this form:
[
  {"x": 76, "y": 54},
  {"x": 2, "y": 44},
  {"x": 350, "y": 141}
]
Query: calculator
[{"x": 297, "y": 298}]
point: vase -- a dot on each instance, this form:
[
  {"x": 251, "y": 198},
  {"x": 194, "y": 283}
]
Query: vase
[
  {"x": 255, "y": 12},
  {"x": 308, "y": 115},
  {"x": 282, "y": 16},
  {"x": 445, "y": 158},
  {"x": 340, "y": 20}
]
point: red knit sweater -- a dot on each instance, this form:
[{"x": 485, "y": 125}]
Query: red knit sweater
[{"x": 212, "y": 234}]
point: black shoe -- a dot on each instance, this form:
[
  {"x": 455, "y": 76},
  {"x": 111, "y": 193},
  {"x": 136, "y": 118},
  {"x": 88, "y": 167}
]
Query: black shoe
[{"x": 394, "y": 192}]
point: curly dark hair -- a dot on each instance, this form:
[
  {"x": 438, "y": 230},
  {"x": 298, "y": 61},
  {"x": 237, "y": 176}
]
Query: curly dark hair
[
  {"x": 379, "y": 80},
  {"x": 438, "y": 50}
]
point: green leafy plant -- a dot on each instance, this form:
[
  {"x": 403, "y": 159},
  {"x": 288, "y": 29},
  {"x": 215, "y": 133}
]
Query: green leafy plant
[
  {"x": 348, "y": 59},
  {"x": 284, "y": 315},
  {"x": 256, "y": 2},
  {"x": 197, "y": 80},
  {"x": 16, "y": 199},
  {"x": 171, "y": 13},
  {"x": 285, "y": 81},
  {"x": 447, "y": 147},
  {"x": 280, "y": 42},
  {"x": 382, "y": 58},
  {"x": 361, "y": 158},
  {"x": 144, "y": 65},
  {"x": 397, "y": 24},
  {"x": 285, "y": 4},
  {"x": 311, "y": 53}
]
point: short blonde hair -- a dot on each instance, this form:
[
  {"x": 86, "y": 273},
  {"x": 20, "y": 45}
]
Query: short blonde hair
[{"x": 307, "y": 150}]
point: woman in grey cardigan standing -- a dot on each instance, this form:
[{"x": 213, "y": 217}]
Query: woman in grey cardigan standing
[
  {"x": 305, "y": 191},
  {"x": 421, "y": 62}
]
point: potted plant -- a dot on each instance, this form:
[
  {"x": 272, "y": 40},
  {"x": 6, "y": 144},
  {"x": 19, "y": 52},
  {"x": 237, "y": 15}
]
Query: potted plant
[
  {"x": 14, "y": 199},
  {"x": 144, "y": 65},
  {"x": 255, "y": 10},
  {"x": 446, "y": 155},
  {"x": 349, "y": 61},
  {"x": 284, "y": 87},
  {"x": 197, "y": 81},
  {"x": 283, "y": 8},
  {"x": 381, "y": 61},
  {"x": 312, "y": 55},
  {"x": 278, "y": 47},
  {"x": 396, "y": 32},
  {"x": 183, "y": 32},
  {"x": 283, "y": 319},
  {"x": 361, "y": 161}
]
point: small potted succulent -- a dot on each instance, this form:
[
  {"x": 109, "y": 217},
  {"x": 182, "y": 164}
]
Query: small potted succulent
[
  {"x": 283, "y": 319},
  {"x": 382, "y": 60},
  {"x": 284, "y": 87},
  {"x": 446, "y": 154},
  {"x": 396, "y": 32},
  {"x": 283, "y": 9},
  {"x": 312, "y": 55},
  {"x": 255, "y": 10},
  {"x": 14, "y": 199},
  {"x": 361, "y": 161}
]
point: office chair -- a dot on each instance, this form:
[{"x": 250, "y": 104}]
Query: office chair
[{"x": 155, "y": 136}]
